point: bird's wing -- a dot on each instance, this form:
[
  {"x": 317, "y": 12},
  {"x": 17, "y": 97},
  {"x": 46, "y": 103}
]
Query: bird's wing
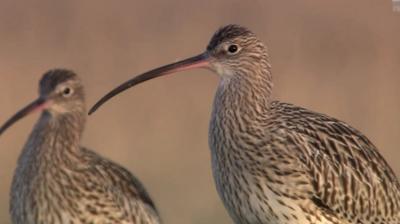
[
  {"x": 122, "y": 191},
  {"x": 349, "y": 176}
]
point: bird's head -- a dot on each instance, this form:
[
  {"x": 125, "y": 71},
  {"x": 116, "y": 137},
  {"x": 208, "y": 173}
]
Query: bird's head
[
  {"x": 233, "y": 51},
  {"x": 60, "y": 93},
  {"x": 62, "y": 90}
]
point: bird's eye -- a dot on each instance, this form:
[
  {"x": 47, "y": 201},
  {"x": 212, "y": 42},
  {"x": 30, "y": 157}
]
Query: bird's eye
[
  {"x": 67, "y": 92},
  {"x": 233, "y": 49}
]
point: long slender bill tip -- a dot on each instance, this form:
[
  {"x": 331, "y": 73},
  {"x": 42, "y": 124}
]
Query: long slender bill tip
[
  {"x": 36, "y": 105},
  {"x": 93, "y": 109},
  {"x": 199, "y": 61},
  {"x": 105, "y": 98}
]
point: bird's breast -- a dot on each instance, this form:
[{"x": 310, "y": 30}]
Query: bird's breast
[{"x": 246, "y": 172}]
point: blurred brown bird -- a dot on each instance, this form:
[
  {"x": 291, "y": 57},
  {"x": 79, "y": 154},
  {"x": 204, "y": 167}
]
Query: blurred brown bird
[
  {"x": 275, "y": 162},
  {"x": 59, "y": 181}
]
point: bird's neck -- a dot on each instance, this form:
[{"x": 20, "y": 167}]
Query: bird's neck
[
  {"x": 244, "y": 97},
  {"x": 55, "y": 140},
  {"x": 240, "y": 112}
]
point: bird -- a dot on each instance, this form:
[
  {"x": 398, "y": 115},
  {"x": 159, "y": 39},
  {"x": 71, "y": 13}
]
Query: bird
[
  {"x": 57, "y": 180},
  {"x": 275, "y": 162}
]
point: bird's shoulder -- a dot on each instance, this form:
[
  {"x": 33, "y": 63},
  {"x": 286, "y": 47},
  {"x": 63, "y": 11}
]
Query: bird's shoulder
[
  {"x": 342, "y": 163},
  {"x": 116, "y": 178},
  {"x": 333, "y": 138}
]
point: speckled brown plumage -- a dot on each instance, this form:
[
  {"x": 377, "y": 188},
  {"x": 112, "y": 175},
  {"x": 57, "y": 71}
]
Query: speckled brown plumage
[
  {"x": 276, "y": 163},
  {"x": 58, "y": 181}
]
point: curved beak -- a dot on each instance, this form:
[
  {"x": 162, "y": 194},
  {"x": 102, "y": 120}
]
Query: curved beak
[
  {"x": 37, "y": 105},
  {"x": 199, "y": 61}
]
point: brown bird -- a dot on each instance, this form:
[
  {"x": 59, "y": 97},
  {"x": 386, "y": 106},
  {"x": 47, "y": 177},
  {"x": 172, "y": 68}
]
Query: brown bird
[
  {"x": 275, "y": 162},
  {"x": 58, "y": 181}
]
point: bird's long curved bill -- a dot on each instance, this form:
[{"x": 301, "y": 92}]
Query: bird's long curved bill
[
  {"x": 36, "y": 105},
  {"x": 190, "y": 63}
]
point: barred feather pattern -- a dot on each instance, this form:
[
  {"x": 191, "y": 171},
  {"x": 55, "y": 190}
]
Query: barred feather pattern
[
  {"x": 57, "y": 181},
  {"x": 277, "y": 163}
]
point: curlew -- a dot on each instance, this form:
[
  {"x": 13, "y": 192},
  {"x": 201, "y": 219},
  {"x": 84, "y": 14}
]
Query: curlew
[
  {"x": 58, "y": 181},
  {"x": 275, "y": 162}
]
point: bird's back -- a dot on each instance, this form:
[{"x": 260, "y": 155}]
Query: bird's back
[
  {"x": 347, "y": 177},
  {"x": 127, "y": 191},
  {"x": 93, "y": 190},
  {"x": 295, "y": 165}
]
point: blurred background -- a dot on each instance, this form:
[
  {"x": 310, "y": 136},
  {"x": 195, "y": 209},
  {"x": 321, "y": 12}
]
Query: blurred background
[{"x": 340, "y": 57}]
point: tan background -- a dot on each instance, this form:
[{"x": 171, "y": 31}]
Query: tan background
[{"x": 338, "y": 57}]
